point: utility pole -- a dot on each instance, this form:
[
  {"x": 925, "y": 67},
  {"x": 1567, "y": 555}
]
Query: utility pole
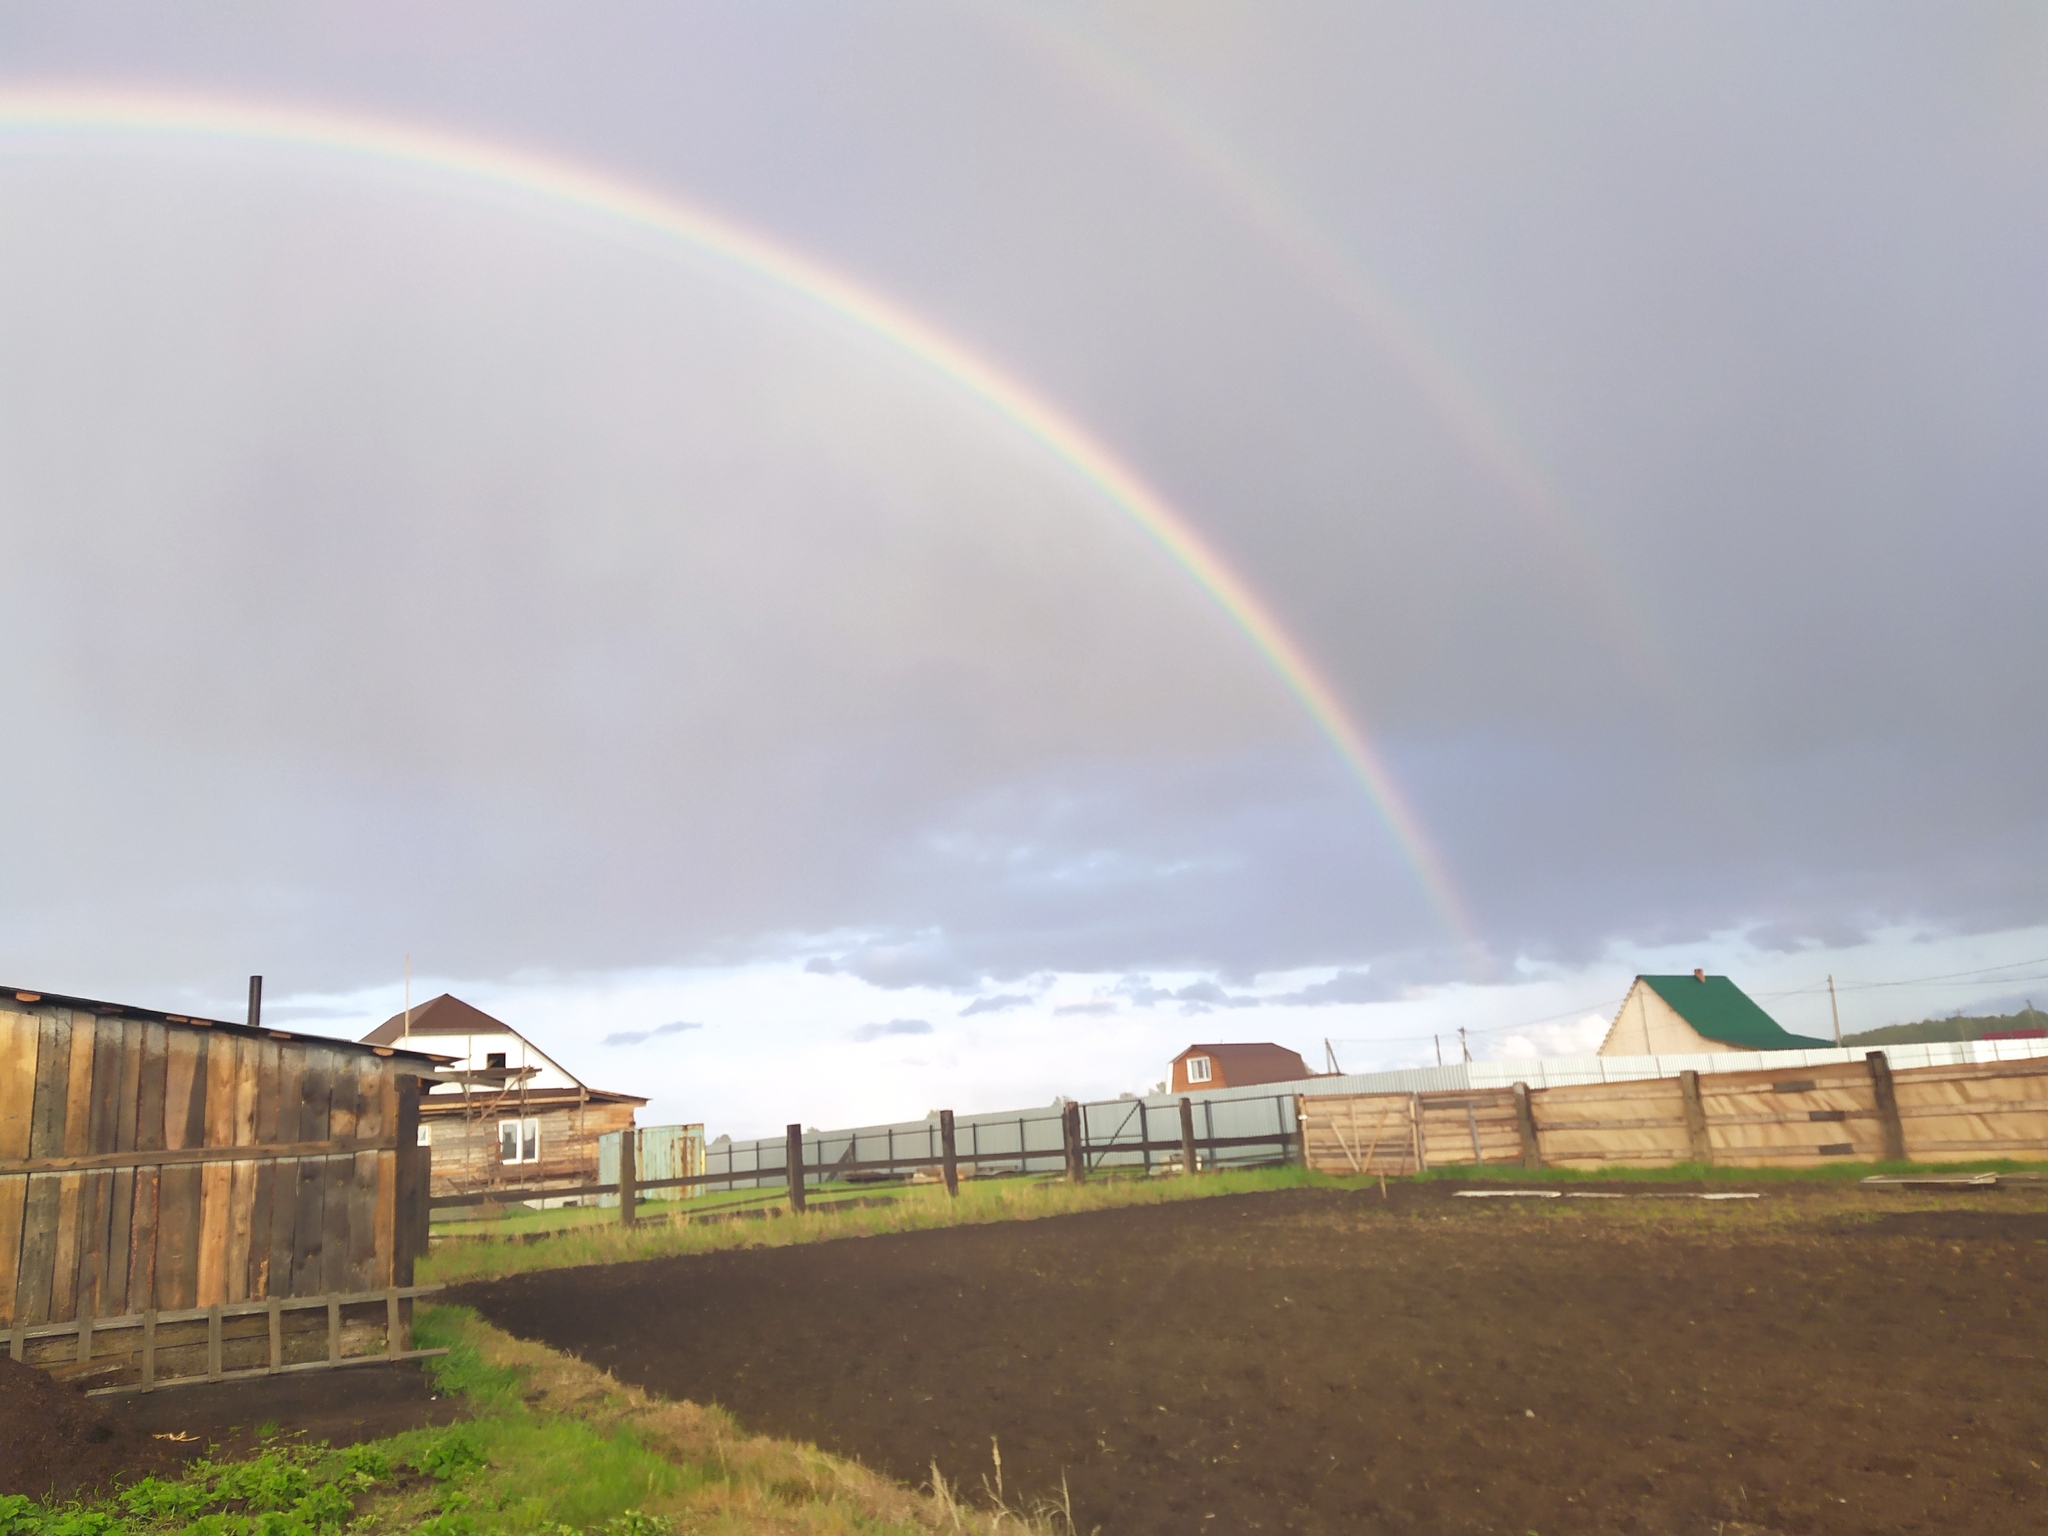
[
  {"x": 1439, "y": 1039},
  {"x": 1462, "y": 1046},
  {"x": 1330, "y": 1058},
  {"x": 1835, "y": 1009}
]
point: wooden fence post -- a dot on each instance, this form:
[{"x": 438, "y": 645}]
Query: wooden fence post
[
  {"x": 629, "y": 1175},
  {"x": 1189, "y": 1161},
  {"x": 1887, "y": 1107},
  {"x": 1415, "y": 1130},
  {"x": 1070, "y": 1133},
  {"x": 412, "y": 1176},
  {"x": 1695, "y": 1112},
  {"x": 1525, "y": 1122},
  {"x": 795, "y": 1159},
  {"x": 949, "y": 1152}
]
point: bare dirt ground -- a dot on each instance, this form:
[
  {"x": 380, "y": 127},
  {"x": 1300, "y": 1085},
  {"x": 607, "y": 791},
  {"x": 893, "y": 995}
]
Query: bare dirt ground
[
  {"x": 56, "y": 1441},
  {"x": 1316, "y": 1361}
]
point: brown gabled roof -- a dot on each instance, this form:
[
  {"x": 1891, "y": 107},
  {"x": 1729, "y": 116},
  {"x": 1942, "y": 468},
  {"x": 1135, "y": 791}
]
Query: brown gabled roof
[
  {"x": 450, "y": 1015},
  {"x": 261, "y": 1031},
  {"x": 1263, "y": 1062},
  {"x": 443, "y": 1015}
]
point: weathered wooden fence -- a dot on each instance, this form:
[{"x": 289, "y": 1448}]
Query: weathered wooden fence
[
  {"x": 1796, "y": 1117},
  {"x": 160, "y": 1172}
]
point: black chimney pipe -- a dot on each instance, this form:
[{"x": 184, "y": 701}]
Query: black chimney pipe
[{"x": 255, "y": 1001}]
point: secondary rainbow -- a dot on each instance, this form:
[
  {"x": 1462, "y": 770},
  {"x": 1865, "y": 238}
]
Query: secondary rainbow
[
  {"x": 147, "y": 113},
  {"x": 1284, "y": 223}
]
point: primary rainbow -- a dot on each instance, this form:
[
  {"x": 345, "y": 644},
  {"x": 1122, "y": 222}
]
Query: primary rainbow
[{"x": 146, "y": 113}]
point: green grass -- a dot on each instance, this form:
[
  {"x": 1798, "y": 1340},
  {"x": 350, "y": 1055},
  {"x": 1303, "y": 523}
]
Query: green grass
[
  {"x": 660, "y": 1233},
  {"x": 553, "y": 1448},
  {"x": 518, "y": 1220}
]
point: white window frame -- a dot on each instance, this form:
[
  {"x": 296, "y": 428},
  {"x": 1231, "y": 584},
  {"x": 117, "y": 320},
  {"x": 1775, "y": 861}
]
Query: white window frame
[
  {"x": 1200, "y": 1069},
  {"x": 525, "y": 1141}
]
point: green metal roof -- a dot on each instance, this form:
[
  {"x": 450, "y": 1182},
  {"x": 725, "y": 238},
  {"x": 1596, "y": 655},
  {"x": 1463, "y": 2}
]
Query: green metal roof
[{"x": 1720, "y": 1010}]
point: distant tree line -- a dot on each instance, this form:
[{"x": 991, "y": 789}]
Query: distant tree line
[{"x": 1958, "y": 1027}]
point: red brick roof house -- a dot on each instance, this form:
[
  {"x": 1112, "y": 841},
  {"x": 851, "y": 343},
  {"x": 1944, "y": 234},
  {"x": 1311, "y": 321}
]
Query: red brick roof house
[{"x": 1234, "y": 1066}]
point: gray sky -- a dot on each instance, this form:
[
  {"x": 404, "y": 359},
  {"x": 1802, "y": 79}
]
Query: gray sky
[{"x": 1634, "y": 411}]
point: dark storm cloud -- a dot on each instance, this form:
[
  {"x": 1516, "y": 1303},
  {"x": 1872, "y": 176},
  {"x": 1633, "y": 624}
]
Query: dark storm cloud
[{"x": 397, "y": 569}]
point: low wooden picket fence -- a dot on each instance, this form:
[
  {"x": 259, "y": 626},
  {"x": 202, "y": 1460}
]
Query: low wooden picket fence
[
  {"x": 225, "y": 1342},
  {"x": 1790, "y": 1117}
]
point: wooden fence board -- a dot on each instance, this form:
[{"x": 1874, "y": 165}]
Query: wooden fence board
[
  {"x": 46, "y": 1139},
  {"x": 1598, "y": 1124},
  {"x": 117, "y": 1264},
  {"x": 72, "y": 1222},
  {"x": 216, "y": 1182},
  {"x": 178, "y": 1188},
  {"x": 338, "y": 1178},
  {"x": 316, "y": 1097},
  {"x": 102, "y": 1073},
  {"x": 1775, "y": 1117},
  {"x": 284, "y": 1200},
  {"x": 1948, "y": 1117},
  {"x": 363, "y": 1229},
  {"x": 19, "y": 1034},
  {"x": 242, "y": 1175},
  {"x": 264, "y": 1071},
  {"x": 1358, "y": 1133}
]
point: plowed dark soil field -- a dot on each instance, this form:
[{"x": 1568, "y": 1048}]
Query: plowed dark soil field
[{"x": 1325, "y": 1362}]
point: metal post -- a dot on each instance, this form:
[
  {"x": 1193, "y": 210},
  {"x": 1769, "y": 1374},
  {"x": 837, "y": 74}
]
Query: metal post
[
  {"x": 1188, "y": 1162},
  {"x": 255, "y": 1001},
  {"x": 629, "y": 1176},
  {"x": 1070, "y": 1133},
  {"x": 949, "y": 1158},
  {"x": 1145, "y": 1138},
  {"x": 796, "y": 1170}
]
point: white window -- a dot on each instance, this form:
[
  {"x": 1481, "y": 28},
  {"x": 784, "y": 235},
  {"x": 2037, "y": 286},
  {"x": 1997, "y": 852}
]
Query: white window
[
  {"x": 1198, "y": 1069},
  {"x": 426, "y": 1137},
  {"x": 518, "y": 1141}
]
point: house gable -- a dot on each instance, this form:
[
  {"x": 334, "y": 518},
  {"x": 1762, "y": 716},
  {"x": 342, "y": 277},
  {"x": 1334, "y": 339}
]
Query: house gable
[
  {"x": 1235, "y": 1066},
  {"x": 1683, "y": 1015}
]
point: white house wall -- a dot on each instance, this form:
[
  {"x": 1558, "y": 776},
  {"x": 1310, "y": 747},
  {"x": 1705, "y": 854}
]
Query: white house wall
[
  {"x": 474, "y": 1050},
  {"x": 1649, "y": 1026}
]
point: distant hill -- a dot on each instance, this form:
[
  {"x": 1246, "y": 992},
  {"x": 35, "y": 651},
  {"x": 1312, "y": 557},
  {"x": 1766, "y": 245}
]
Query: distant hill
[{"x": 1961, "y": 1027}]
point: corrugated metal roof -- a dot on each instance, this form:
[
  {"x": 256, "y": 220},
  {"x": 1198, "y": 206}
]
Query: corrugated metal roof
[{"x": 1720, "y": 1010}]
